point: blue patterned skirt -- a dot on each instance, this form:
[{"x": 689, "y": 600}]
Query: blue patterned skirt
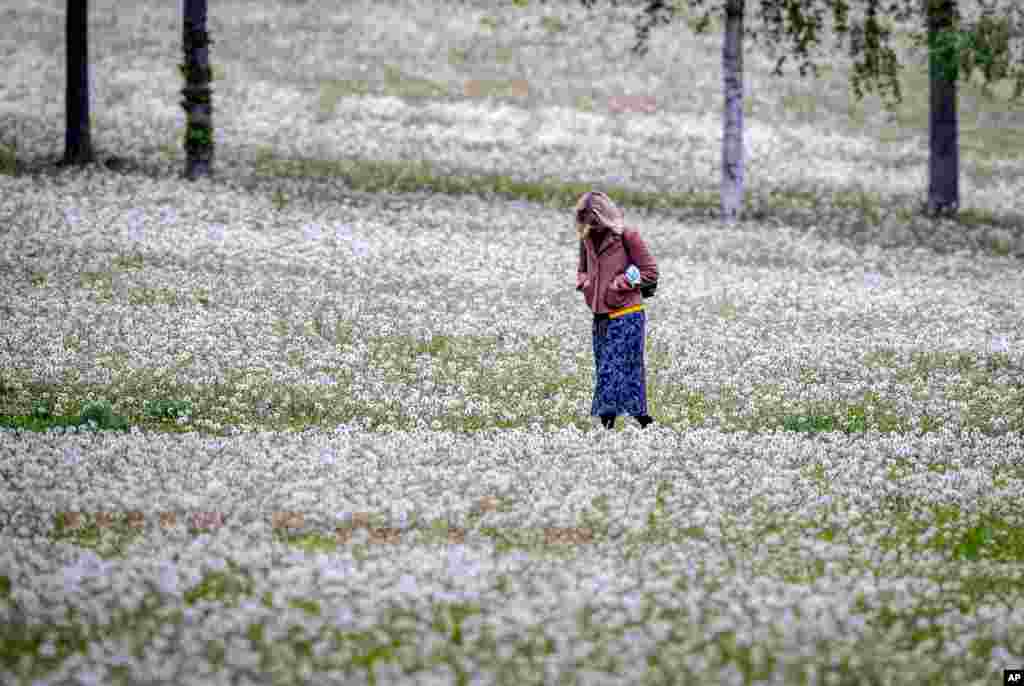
[{"x": 620, "y": 386}]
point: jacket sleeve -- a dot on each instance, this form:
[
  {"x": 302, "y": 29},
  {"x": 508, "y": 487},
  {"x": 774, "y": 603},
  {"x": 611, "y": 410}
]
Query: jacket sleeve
[
  {"x": 581, "y": 268},
  {"x": 642, "y": 258}
]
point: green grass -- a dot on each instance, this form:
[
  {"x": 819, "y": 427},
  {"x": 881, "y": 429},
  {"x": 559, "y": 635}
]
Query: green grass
[
  {"x": 794, "y": 207},
  {"x": 965, "y": 540},
  {"x": 984, "y": 536},
  {"x": 516, "y": 380},
  {"x": 968, "y": 542},
  {"x": 8, "y": 160}
]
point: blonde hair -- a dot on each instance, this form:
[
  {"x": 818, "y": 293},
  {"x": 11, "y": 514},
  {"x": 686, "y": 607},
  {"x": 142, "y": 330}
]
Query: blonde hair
[{"x": 582, "y": 231}]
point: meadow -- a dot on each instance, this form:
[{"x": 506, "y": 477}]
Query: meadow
[{"x": 324, "y": 417}]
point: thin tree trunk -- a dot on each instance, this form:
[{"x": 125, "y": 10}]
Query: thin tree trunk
[
  {"x": 77, "y": 141},
  {"x": 943, "y": 144},
  {"x": 732, "y": 123},
  {"x": 197, "y": 103}
]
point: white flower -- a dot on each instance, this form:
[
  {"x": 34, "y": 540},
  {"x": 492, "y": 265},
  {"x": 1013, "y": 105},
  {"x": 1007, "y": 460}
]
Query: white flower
[
  {"x": 251, "y": 606},
  {"x": 335, "y": 570},
  {"x": 999, "y": 344},
  {"x": 461, "y": 567},
  {"x": 168, "y": 215},
  {"x": 361, "y": 248},
  {"x": 516, "y": 557},
  {"x": 134, "y": 216},
  {"x": 635, "y": 638},
  {"x": 72, "y": 455},
  {"x": 400, "y": 518},
  {"x": 600, "y": 584},
  {"x": 167, "y": 581},
  {"x": 88, "y": 565},
  {"x": 457, "y": 596},
  {"x": 215, "y": 232},
  {"x": 633, "y": 601},
  {"x": 312, "y": 231},
  {"x": 343, "y": 232},
  {"x": 344, "y": 617},
  {"x": 91, "y": 677},
  {"x": 407, "y": 585}
]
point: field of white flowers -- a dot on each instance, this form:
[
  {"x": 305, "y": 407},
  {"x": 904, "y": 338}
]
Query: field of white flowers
[{"x": 324, "y": 418}]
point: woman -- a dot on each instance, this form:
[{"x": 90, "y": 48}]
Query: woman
[{"x": 607, "y": 248}]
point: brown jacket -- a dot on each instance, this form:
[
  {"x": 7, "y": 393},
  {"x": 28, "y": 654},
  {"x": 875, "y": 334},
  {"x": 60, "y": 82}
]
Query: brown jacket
[{"x": 601, "y": 271}]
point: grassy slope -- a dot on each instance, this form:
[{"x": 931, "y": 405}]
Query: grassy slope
[{"x": 794, "y": 101}]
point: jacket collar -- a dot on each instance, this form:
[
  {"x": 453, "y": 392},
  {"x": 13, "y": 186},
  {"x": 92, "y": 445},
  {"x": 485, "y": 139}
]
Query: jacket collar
[{"x": 606, "y": 240}]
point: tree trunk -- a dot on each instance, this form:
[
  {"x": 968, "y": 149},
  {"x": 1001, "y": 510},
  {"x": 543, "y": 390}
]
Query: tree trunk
[
  {"x": 77, "y": 141},
  {"x": 197, "y": 103},
  {"x": 943, "y": 144},
  {"x": 732, "y": 123}
]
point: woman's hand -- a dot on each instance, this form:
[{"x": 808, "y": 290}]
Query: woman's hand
[{"x": 621, "y": 283}]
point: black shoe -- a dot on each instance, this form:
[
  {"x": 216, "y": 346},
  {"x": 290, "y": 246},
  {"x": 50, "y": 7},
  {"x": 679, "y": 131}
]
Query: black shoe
[
  {"x": 644, "y": 420},
  {"x": 608, "y": 420}
]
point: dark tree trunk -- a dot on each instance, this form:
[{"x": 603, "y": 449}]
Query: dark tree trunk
[
  {"x": 197, "y": 103},
  {"x": 77, "y": 141},
  {"x": 944, "y": 147},
  {"x": 732, "y": 116}
]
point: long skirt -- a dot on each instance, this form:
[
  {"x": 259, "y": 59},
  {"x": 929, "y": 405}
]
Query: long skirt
[{"x": 620, "y": 386}]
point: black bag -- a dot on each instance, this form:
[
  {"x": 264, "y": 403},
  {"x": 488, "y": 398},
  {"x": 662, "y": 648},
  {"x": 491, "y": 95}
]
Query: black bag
[{"x": 646, "y": 289}]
